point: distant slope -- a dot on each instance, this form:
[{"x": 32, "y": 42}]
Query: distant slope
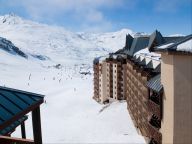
[{"x": 57, "y": 43}]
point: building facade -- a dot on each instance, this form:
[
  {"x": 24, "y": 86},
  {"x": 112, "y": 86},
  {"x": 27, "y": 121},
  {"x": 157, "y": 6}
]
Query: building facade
[
  {"x": 152, "y": 89},
  {"x": 140, "y": 104},
  {"x": 108, "y": 80},
  {"x": 176, "y": 77}
]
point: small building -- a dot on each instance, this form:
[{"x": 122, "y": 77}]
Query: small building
[{"x": 14, "y": 107}]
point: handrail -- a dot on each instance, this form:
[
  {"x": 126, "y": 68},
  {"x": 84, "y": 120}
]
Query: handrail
[{"x": 10, "y": 140}]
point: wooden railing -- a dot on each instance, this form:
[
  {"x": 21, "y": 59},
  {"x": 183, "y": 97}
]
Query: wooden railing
[{"x": 11, "y": 140}]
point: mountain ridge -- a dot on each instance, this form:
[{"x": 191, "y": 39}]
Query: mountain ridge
[{"x": 56, "y": 42}]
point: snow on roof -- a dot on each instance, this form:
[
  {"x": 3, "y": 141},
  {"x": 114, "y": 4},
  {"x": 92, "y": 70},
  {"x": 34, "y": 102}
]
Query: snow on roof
[
  {"x": 145, "y": 52},
  {"x": 152, "y": 57},
  {"x": 147, "y": 60},
  {"x": 114, "y": 56},
  {"x": 165, "y": 45},
  {"x": 183, "y": 44},
  {"x": 101, "y": 59},
  {"x": 142, "y": 57},
  {"x": 136, "y": 56},
  {"x": 186, "y": 46},
  {"x": 155, "y": 63}
]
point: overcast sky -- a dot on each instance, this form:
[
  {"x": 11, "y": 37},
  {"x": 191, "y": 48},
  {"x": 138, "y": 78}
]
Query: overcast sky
[{"x": 168, "y": 16}]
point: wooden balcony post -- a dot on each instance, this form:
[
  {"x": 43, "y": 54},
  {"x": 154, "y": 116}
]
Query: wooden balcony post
[
  {"x": 36, "y": 119},
  {"x": 23, "y": 132}
]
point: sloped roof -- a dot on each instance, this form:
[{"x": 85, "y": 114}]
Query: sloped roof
[
  {"x": 150, "y": 65},
  {"x": 172, "y": 38},
  {"x": 137, "y": 59},
  {"x": 129, "y": 40},
  {"x": 143, "y": 62},
  {"x": 96, "y": 60},
  {"x": 100, "y": 59},
  {"x": 181, "y": 45},
  {"x": 138, "y": 44},
  {"x": 155, "y": 83},
  {"x": 133, "y": 45},
  {"x": 157, "y": 69},
  {"x": 156, "y": 38},
  {"x": 14, "y": 104},
  {"x": 120, "y": 51},
  {"x": 147, "y": 62},
  {"x": 12, "y": 127}
]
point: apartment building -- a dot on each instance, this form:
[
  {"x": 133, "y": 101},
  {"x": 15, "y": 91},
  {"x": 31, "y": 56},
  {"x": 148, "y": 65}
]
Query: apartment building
[
  {"x": 108, "y": 79},
  {"x": 176, "y": 78},
  {"x": 140, "y": 72},
  {"x": 143, "y": 78},
  {"x": 102, "y": 81}
]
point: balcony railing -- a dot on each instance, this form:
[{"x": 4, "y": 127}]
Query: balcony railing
[
  {"x": 154, "y": 108},
  {"x": 11, "y": 140},
  {"x": 155, "y": 121},
  {"x": 155, "y": 98},
  {"x": 154, "y": 134}
]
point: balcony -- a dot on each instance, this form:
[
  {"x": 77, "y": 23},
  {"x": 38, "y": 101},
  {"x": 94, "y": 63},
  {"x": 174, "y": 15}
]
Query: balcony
[
  {"x": 154, "y": 134},
  {"x": 120, "y": 78},
  {"x": 155, "y": 122},
  {"x": 121, "y": 97},
  {"x": 153, "y": 141},
  {"x": 154, "y": 108}
]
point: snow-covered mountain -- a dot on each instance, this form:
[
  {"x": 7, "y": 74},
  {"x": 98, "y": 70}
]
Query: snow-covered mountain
[
  {"x": 57, "y": 43},
  {"x": 57, "y": 63}
]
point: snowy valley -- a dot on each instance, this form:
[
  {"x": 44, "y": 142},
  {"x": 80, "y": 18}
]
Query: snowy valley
[{"x": 58, "y": 63}]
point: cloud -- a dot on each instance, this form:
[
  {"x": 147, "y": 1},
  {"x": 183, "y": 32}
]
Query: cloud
[
  {"x": 171, "y": 5},
  {"x": 82, "y": 12}
]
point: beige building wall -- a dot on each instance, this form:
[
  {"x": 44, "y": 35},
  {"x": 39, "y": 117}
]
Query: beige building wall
[
  {"x": 176, "y": 76},
  {"x": 103, "y": 96},
  {"x": 108, "y": 79},
  {"x": 182, "y": 99},
  {"x": 115, "y": 82},
  {"x": 96, "y": 82},
  {"x": 124, "y": 80},
  {"x": 100, "y": 82},
  {"x": 168, "y": 85}
]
